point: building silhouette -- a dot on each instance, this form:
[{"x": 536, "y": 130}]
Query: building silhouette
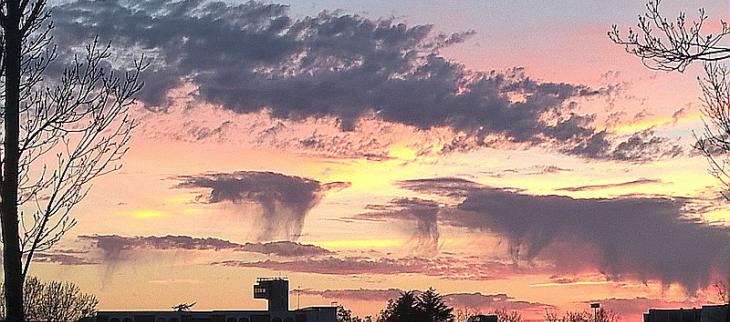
[
  {"x": 274, "y": 290},
  {"x": 707, "y": 313},
  {"x": 482, "y": 318}
]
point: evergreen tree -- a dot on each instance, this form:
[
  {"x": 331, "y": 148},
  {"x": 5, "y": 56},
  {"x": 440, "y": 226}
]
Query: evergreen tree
[
  {"x": 434, "y": 308},
  {"x": 405, "y": 309},
  {"x": 428, "y": 306}
]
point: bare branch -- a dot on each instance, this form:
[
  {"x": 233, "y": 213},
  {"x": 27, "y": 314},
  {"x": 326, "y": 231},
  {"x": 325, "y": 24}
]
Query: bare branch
[{"x": 672, "y": 45}]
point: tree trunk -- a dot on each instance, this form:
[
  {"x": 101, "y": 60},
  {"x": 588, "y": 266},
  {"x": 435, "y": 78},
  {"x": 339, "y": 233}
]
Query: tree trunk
[{"x": 9, "y": 204}]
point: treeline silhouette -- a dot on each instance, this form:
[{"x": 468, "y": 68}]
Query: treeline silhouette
[
  {"x": 409, "y": 307},
  {"x": 53, "y": 301},
  {"x": 430, "y": 306}
]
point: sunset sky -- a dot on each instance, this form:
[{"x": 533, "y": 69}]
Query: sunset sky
[{"x": 506, "y": 153}]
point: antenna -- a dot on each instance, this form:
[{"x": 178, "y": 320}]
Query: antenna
[{"x": 299, "y": 292}]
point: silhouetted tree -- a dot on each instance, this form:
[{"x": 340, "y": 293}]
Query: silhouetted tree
[
  {"x": 508, "y": 316},
  {"x": 552, "y": 316},
  {"x": 605, "y": 315},
  {"x": 721, "y": 291},
  {"x": 59, "y": 132},
  {"x": 464, "y": 313},
  {"x": 433, "y": 306},
  {"x": 663, "y": 44},
  {"x": 577, "y": 316},
  {"x": 672, "y": 46},
  {"x": 714, "y": 143},
  {"x": 409, "y": 307},
  {"x": 387, "y": 311},
  {"x": 405, "y": 309},
  {"x": 345, "y": 315},
  {"x": 55, "y": 301},
  {"x": 602, "y": 315}
]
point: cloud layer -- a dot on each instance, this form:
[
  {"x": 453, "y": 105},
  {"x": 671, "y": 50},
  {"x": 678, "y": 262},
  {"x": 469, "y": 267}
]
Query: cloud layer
[
  {"x": 254, "y": 56},
  {"x": 284, "y": 201},
  {"x": 112, "y": 246},
  {"x": 423, "y": 212},
  {"x": 629, "y": 237},
  {"x": 445, "y": 267}
]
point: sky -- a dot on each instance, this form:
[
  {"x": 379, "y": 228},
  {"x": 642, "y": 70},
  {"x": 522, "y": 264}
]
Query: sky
[{"x": 506, "y": 153}]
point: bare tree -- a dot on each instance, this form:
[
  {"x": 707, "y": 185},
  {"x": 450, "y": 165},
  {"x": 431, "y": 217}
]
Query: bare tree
[
  {"x": 55, "y": 301},
  {"x": 602, "y": 315},
  {"x": 721, "y": 291},
  {"x": 714, "y": 142},
  {"x": 605, "y": 315},
  {"x": 345, "y": 315},
  {"x": 508, "y": 316},
  {"x": 672, "y": 46},
  {"x": 462, "y": 314},
  {"x": 553, "y": 316},
  {"x": 668, "y": 45},
  {"x": 577, "y": 316},
  {"x": 60, "y": 131}
]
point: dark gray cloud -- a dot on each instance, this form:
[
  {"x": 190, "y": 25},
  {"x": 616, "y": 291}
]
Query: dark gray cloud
[
  {"x": 629, "y": 237},
  {"x": 253, "y": 56},
  {"x": 492, "y": 302},
  {"x": 63, "y": 259},
  {"x": 527, "y": 171},
  {"x": 112, "y": 246},
  {"x": 284, "y": 200},
  {"x": 423, "y": 212},
  {"x": 443, "y": 267},
  {"x": 641, "y": 146},
  {"x": 361, "y": 294},
  {"x": 346, "y": 266},
  {"x": 631, "y": 183},
  {"x": 285, "y": 248}
]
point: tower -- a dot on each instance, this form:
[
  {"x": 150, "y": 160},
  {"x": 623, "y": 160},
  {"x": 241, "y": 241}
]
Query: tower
[{"x": 275, "y": 290}]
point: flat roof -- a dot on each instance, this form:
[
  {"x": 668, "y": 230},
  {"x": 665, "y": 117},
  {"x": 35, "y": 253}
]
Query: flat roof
[{"x": 214, "y": 311}]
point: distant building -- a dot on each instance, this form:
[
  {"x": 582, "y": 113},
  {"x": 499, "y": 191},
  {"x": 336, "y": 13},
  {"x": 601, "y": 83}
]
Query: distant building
[
  {"x": 482, "y": 318},
  {"x": 274, "y": 290},
  {"x": 707, "y": 313}
]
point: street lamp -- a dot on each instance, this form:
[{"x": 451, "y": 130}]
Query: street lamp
[{"x": 595, "y": 307}]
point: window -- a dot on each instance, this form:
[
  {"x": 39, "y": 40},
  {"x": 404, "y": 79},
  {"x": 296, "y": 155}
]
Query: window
[
  {"x": 231, "y": 320},
  {"x": 288, "y": 320},
  {"x": 260, "y": 318},
  {"x": 127, "y": 320},
  {"x": 243, "y": 320},
  {"x": 276, "y": 320},
  {"x": 174, "y": 320},
  {"x": 114, "y": 320},
  {"x": 161, "y": 320}
]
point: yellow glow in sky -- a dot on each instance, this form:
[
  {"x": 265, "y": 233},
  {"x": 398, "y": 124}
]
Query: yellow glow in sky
[
  {"x": 147, "y": 213},
  {"x": 402, "y": 152},
  {"x": 629, "y": 128},
  {"x": 360, "y": 243}
]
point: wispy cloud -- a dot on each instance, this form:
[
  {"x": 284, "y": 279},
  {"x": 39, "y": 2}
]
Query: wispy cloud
[
  {"x": 443, "y": 267},
  {"x": 112, "y": 246},
  {"x": 284, "y": 200},
  {"x": 423, "y": 212},
  {"x": 632, "y": 183}
]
